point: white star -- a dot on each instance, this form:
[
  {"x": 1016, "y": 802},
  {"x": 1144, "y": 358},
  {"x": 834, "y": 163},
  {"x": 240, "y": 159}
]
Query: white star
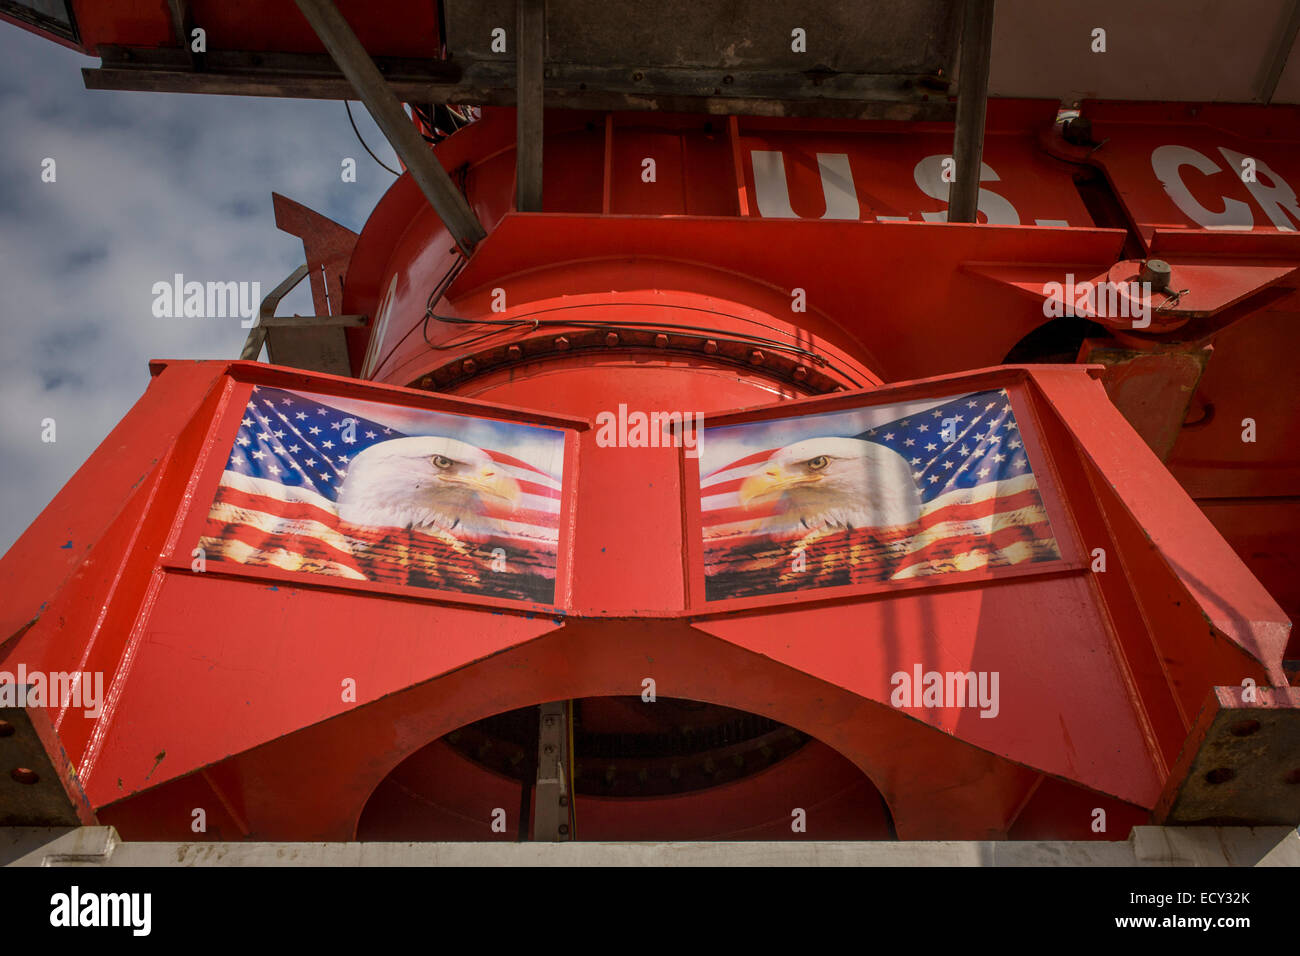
[
  {"x": 256, "y": 388},
  {"x": 909, "y": 442},
  {"x": 915, "y": 461},
  {"x": 923, "y": 428},
  {"x": 388, "y": 431},
  {"x": 279, "y": 450},
  {"x": 259, "y": 454},
  {"x": 236, "y": 460},
  {"x": 310, "y": 462},
  {"x": 889, "y": 436},
  {"x": 933, "y": 478},
  {"x": 243, "y": 441},
  {"x": 279, "y": 434},
  {"x": 905, "y": 422},
  {"x": 273, "y": 469},
  {"x": 327, "y": 444},
  {"x": 267, "y": 401},
  {"x": 335, "y": 425},
  {"x": 970, "y": 404},
  {"x": 343, "y": 474},
  {"x": 314, "y": 430},
  {"x": 958, "y": 418},
  {"x": 300, "y": 416},
  {"x": 983, "y": 472},
  {"x": 948, "y": 465},
  {"x": 938, "y": 414},
  {"x": 370, "y": 434},
  {"x": 246, "y": 422},
  {"x": 1012, "y": 425},
  {"x": 1018, "y": 463},
  {"x": 320, "y": 411},
  {"x": 286, "y": 401},
  {"x": 349, "y": 440},
  {"x": 293, "y": 448},
  {"x": 964, "y": 450},
  {"x": 916, "y": 475},
  {"x": 999, "y": 458},
  {"x": 931, "y": 446},
  {"x": 1013, "y": 444},
  {"x": 263, "y": 436},
  {"x": 252, "y": 405},
  {"x": 324, "y": 477},
  {"x": 343, "y": 459}
]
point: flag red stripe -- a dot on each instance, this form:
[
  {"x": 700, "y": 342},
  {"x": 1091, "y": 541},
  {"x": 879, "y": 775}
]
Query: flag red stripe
[
  {"x": 954, "y": 512},
  {"x": 753, "y": 459},
  {"x": 308, "y": 512}
]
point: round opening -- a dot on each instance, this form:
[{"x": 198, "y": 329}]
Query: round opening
[
  {"x": 1293, "y": 777},
  {"x": 24, "y": 775},
  {"x": 671, "y": 769},
  {"x": 1220, "y": 775},
  {"x": 6, "y": 729}
]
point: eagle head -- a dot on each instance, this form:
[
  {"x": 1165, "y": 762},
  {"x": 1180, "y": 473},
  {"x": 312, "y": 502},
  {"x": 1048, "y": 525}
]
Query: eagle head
[
  {"x": 426, "y": 482},
  {"x": 835, "y": 482}
]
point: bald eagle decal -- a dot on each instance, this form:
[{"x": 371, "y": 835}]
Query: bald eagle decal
[
  {"x": 376, "y": 492},
  {"x": 869, "y": 495}
]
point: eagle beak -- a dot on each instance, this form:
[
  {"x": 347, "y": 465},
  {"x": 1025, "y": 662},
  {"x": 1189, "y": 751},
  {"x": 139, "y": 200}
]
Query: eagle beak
[
  {"x": 494, "y": 483},
  {"x": 768, "y": 483}
]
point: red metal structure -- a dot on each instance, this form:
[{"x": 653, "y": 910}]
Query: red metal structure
[{"x": 756, "y": 270}]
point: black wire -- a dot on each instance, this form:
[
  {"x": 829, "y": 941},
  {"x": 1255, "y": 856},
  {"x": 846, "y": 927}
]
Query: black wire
[
  {"x": 443, "y": 283},
  {"x": 348, "y": 107}
]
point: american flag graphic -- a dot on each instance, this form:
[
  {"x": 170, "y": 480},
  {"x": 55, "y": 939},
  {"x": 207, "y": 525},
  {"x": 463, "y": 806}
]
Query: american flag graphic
[
  {"x": 961, "y": 461},
  {"x": 277, "y": 504}
]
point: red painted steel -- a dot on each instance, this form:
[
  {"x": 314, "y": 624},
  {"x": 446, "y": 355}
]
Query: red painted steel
[{"x": 224, "y": 685}]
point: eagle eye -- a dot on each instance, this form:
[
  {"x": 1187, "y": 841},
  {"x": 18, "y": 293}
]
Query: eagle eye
[
  {"x": 818, "y": 463},
  {"x": 441, "y": 461}
]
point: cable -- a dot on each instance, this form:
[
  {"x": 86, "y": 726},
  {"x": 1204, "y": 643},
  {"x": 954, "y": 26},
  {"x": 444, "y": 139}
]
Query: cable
[{"x": 348, "y": 107}]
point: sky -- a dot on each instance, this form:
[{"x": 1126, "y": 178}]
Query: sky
[{"x": 147, "y": 185}]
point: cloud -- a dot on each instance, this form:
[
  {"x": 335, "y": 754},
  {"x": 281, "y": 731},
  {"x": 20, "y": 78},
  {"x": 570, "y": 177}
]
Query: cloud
[{"x": 148, "y": 185}]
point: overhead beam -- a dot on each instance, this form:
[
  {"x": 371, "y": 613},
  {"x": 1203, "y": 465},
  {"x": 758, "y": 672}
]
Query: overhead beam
[
  {"x": 183, "y": 25},
  {"x": 1282, "y": 51},
  {"x": 972, "y": 98},
  {"x": 530, "y": 55},
  {"x": 360, "y": 70},
  {"x": 492, "y": 83}
]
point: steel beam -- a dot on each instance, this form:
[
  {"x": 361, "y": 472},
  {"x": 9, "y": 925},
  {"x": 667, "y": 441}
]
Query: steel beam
[
  {"x": 530, "y": 54},
  {"x": 972, "y": 96},
  {"x": 551, "y": 817},
  {"x": 387, "y": 111},
  {"x": 257, "y": 334},
  {"x": 1282, "y": 51},
  {"x": 715, "y": 91}
]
